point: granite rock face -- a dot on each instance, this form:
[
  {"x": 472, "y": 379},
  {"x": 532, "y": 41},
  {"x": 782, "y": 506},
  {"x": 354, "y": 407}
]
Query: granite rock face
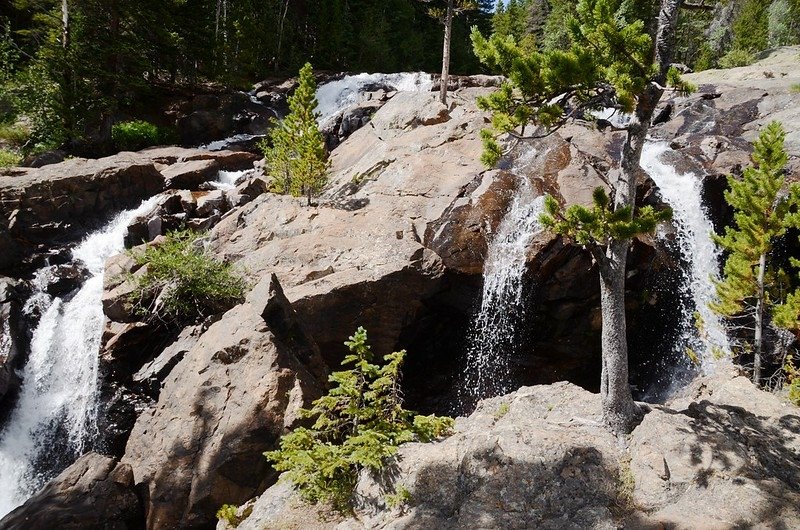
[
  {"x": 228, "y": 398},
  {"x": 726, "y": 455}
]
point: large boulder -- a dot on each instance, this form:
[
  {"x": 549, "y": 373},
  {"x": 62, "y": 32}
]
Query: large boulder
[
  {"x": 227, "y": 399},
  {"x": 726, "y": 457},
  {"x": 94, "y": 493}
]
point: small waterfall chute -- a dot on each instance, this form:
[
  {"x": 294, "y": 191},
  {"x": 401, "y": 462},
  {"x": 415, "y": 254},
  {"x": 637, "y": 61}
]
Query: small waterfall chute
[
  {"x": 701, "y": 257},
  {"x": 57, "y": 403},
  {"x": 497, "y": 324},
  {"x": 335, "y": 96}
]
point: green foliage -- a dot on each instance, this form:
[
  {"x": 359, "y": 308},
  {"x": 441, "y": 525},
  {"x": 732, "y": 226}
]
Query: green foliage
[
  {"x": 182, "y": 283},
  {"x": 15, "y": 134},
  {"x": 609, "y": 59},
  {"x": 681, "y": 86},
  {"x": 752, "y": 285},
  {"x": 138, "y": 134},
  {"x": 358, "y": 424},
  {"x": 297, "y": 161},
  {"x": 9, "y": 158},
  {"x": 750, "y": 31},
  {"x": 781, "y": 24},
  {"x": 36, "y": 95},
  {"x": 401, "y": 497},
  {"x": 760, "y": 217},
  {"x": 228, "y": 514},
  {"x": 601, "y": 223},
  {"x": 737, "y": 57},
  {"x": 795, "y": 88},
  {"x": 502, "y": 410}
]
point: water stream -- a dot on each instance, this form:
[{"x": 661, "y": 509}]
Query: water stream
[
  {"x": 57, "y": 405},
  {"x": 700, "y": 255},
  {"x": 337, "y": 95},
  {"x": 495, "y": 329}
]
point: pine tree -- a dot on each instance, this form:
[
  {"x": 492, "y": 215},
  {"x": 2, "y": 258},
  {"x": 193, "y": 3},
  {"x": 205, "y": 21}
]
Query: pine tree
[
  {"x": 761, "y": 216},
  {"x": 296, "y": 157},
  {"x": 358, "y": 424},
  {"x": 613, "y": 61}
]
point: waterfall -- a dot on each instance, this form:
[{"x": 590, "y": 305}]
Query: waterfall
[
  {"x": 337, "y": 95},
  {"x": 494, "y": 330},
  {"x": 227, "y": 180},
  {"x": 57, "y": 404},
  {"x": 683, "y": 193}
]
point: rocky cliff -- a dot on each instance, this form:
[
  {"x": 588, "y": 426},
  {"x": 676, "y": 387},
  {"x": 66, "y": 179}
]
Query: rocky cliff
[{"x": 397, "y": 244}]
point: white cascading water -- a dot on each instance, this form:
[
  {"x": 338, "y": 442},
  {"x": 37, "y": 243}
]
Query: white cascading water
[
  {"x": 495, "y": 328},
  {"x": 59, "y": 390},
  {"x": 227, "y": 180},
  {"x": 337, "y": 95},
  {"x": 683, "y": 193}
]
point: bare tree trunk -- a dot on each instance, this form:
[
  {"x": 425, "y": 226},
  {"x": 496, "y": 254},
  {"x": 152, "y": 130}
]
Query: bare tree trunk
[
  {"x": 65, "y": 30},
  {"x": 619, "y": 410},
  {"x": 620, "y": 413},
  {"x": 448, "y": 37},
  {"x": 280, "y": 33},
  {"x": 759, "y": 324}
]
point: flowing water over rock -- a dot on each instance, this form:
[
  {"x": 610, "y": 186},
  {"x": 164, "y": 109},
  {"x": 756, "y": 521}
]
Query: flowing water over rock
[
  {"x": 54, "y": 420},
  {"x": 494, "y": 331},
  {"x": 337, "y": 95},
  {"x": 700, "y": 263}
]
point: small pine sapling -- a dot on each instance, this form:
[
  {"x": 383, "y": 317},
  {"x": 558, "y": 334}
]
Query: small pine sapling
[{"x": 358, "y": 424}]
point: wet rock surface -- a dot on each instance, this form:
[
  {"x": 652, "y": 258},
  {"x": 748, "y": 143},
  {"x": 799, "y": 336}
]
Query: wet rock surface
[
  {"x": 11, "y": 335},
  {"x": 94, "y": 493}
]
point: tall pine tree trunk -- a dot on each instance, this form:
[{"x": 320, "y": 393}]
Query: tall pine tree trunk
[
  {"x": 620, "y": 413},
  {"x": 67, "y": 82},
  {"x": 759, "y": 323},
  {"x": 448, "y": 37},
  {"x": 619, "y": 410}
]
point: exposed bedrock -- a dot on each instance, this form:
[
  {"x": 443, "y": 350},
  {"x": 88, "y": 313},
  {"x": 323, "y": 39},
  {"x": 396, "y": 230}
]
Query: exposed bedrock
[
  {"x": 722, "y": 456},
  {"x": 74, "y": 196},
  {"x": 396, "y": 244}
]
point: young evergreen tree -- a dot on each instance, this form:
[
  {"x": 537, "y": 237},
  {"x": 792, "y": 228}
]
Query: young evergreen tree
[
  {"x": 612, "y": 59},
  {"x": 359, "y": 424},
  {"x": 761, "y": 216},
  {"x": 296, "y": 157}
]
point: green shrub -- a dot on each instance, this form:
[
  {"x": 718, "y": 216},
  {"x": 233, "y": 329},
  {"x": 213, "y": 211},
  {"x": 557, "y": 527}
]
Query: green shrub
[
  {"x": 737, "y": 57},
  {"x": 138, "y": 134},
  {"x": 228, "y": 514},
  {"x": 14, "y": 134},
  {"x": 358, "y": 425},
  {"x": 9, "y": 158},
  {"x": 795, "y": 88},
  {"x": 183, "y": 283}
]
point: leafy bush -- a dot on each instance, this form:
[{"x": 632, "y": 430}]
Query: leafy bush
[
  {"x": 138, "y": 134},
  {"x": 14, "y": 134},
  {"x": 182, "y": 283},
  {"x": 358, "y": 425},
  {"x": 9, "y": 158},
  {"x": 228, "y": 514},
  {"x": 737, "y": 57},
  {"x": 795, "y": 88}
]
